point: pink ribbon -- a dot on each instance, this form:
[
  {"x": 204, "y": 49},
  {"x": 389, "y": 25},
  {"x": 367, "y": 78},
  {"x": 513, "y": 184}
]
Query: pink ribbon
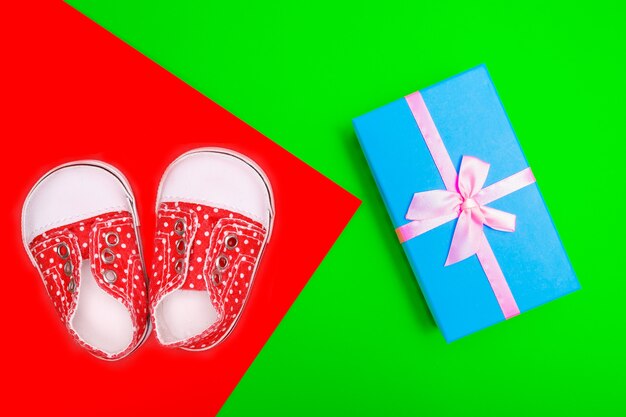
[{"x": 466, "y": 199}]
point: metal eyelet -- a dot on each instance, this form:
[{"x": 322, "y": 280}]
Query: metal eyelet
[
  {"x": 181, "y": 245},
  {"x": 221, "y": 263},
  {"x": 179, "y": 226},
  {"x": 68, "y": 268},
  {"x": 231, "y": 241},
  {"x": 114, "y": 242},
  {"x": 71, "y": 286},
  {"x": 63, "y": 250},
  {"x": 109, "y": 276},
  {"x": 216, "y": 277},
  {"x": 107, "y": 256},
  {"x": 179, "y": 266}
]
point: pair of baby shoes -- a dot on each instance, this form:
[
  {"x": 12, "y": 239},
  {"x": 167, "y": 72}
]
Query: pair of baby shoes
[{"x": 80, "y": 228}]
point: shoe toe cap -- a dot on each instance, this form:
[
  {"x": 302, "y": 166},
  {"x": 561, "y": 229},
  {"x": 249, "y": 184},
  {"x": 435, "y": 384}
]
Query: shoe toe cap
[
  {"x": 219, "y": 179},
  {"x": 70, "y": 194}
]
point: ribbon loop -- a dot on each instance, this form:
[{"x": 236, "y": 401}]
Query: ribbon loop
[
  {"x": 466, "y": 238},
  {"x": 499, "y": 220},
  {"x": 472, "y": 176},
  {"x": 431, "y": 204}
]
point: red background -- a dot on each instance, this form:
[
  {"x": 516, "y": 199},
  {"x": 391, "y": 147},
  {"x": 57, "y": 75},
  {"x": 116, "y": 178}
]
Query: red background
[{"x": 71, "y": 90}]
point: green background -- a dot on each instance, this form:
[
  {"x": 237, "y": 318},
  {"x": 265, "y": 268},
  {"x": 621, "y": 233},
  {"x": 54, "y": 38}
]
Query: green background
[{"x": 360, "y": 340}]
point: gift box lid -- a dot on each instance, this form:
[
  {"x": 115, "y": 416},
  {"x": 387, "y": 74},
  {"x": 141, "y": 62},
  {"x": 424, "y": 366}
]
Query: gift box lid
[{"x": 470, "y": 119}]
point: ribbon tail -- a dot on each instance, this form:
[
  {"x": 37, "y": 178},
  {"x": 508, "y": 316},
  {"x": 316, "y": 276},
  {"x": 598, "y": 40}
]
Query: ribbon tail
[
  {"x": 466, "y": 238},
  {"x": 499, "y": 220}
]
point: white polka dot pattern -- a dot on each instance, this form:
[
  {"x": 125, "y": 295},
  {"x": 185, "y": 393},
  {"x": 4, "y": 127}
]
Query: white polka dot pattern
[{"x": 86, "y": 240}]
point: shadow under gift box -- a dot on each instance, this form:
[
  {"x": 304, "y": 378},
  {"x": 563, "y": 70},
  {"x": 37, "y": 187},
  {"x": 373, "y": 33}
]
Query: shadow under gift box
[{"x": 471, "y": 122}]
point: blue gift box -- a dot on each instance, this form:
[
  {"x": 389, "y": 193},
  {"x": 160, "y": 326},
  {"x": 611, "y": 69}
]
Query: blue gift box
[{"x": 471, "y": 121}]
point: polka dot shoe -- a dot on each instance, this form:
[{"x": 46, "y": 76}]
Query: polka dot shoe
[
  {"x": 214, "y": 219},
  {"x": 79, "y": 228}
]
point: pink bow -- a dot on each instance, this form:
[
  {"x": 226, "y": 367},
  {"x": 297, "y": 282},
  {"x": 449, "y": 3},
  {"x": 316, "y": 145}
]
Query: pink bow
[{"x": 468, "y": 204}]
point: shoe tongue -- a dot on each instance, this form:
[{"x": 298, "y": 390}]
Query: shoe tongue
[
  {"x": 92, "y": 279},
  {"x": 101, "y": 320}
]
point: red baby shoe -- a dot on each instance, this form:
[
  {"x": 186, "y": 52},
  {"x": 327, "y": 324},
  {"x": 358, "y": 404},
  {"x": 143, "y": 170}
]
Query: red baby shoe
[
  {"x": 214, "y": 218},
  {"x": 80, "y": 230}
]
